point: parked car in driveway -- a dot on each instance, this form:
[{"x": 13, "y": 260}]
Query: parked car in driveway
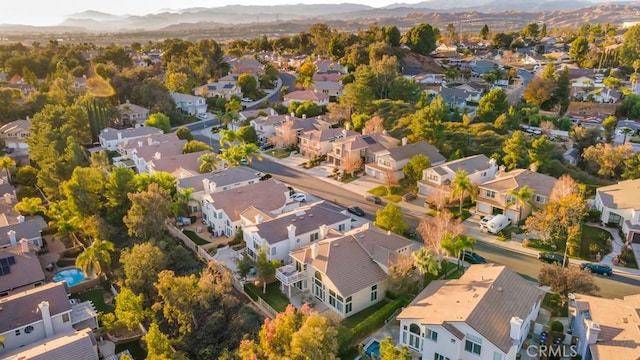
[
  {"x": 485, "y": 220},
  {"x": 373, "y": 199},
  {"x": 299, "y": 197},
  {"x": 409, "y": 196},
  {"x": 603, "y": 270},
  {"x": 355, "y": 210},
  {"x": 553, "y": 258},
  {"x": 472, "y": 258}
]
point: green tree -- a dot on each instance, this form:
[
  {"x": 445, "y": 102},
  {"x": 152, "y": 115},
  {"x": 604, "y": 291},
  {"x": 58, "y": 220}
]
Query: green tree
[
  {"x": 84, "y": 190},
  {"x": 494, "y": 103},
  {"x": 609, "y": 125},
  {"x": 7, "y": 163},
  {"x": 484, "y": 32},
  {"x": 454, "y": 246},
  {"x": 27, "y": 176},
  {"x": 607, "y": 160},
  {"x": 141, "y": 265},
  {"x": 160, "y": 121},
  {"x": 515, "y": 151},
  {"x": 392, "y": 35},
  {"x": 118, "y": 185},
  {"x": 181, "y": 297},
  {"x": 426, "y": 262},
  {"x": 630, "y": 49},
  {"x": 96, "y": 257},
  {"x": 583, "y": 137},
  {"x": 462, "y": 187},
  {"x": 266, "y": 269},
  {"x": 422, "y": 38},
  {"x": 578, "y": 50},
  {"x": 427, "y": 123},
  {"x": 149, "y": 210},
  {"x": 208, "y": 162},
  {"x": 248, "y": 85},
  {"x": 29, "y": 205},
  {"x": 248, "y": 134},
  {"x": 195, "y": 146},
  {"x": 541, "y": 152},
  {"x": 632, "y": 168},
  {"x": 183, "y": 133},
  {"x": 390, "y": 218},
  {"x": 130, "y": 309},
  {"x": 531, "y": 30},
  {"x": 307, "y": 108},
  {"x": 538, "y": 91},
  {"x": 522, "y": 197},
  {"x": 158, "y": 344}
]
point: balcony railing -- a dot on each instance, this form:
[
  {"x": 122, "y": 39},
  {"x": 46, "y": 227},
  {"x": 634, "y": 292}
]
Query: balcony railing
[{"x": 288, "y": 275}]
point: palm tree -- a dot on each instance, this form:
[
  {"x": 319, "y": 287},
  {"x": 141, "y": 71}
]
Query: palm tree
[
  {"x": 626, "y": 132},
  {"x": 462, "y": 187},
  {"x": 426, "y": 262},
  {"x": 183, "y": 197},
  {"x": 96, "y": 257},
  {"x": 454, "y": 246},
  {"x": 29, "y": 205},
  {"x": 251, "y": 151},
  {"x": 229, "y": 137},
  {"x": 522, "y": 197},
  {"x": 7, "y": 164},
  {"x": 209, "y": 162}
]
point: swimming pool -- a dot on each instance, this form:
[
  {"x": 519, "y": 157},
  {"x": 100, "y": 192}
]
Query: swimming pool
[
  {"x": 72, "y": 276},
  {"x": 373, "y": 349}
]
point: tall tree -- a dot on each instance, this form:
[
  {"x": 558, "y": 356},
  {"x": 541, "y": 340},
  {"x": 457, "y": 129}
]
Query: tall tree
[
  {"x": 578, "y": 50},
  {"x": 422, "y": 38},
  {"x": 522, "y": 197},
  {"x": 567, "y": 280},
  {"x": 541, "y": 152},
  {"x": 515, "y": 151},
  {"x": 7, "y": 163},
  {"x": 158, "y": 343},
  {"x": 266, "y": 269},
  {"x": 208, "y": 162},
  {"x": 29, "y": 205},
  {"x": 413, "y": 169},
  {"x": 180, "y": 299},
  {"x": 607, "y": 160},
  {"x": 96, "y": 257},
  {"x": 454, "y": 246},
  {"x": 130, "y": 309},
  {"x": 462, "y": 187},
  {"x": 484, "y": 32},
  {"x": 141, "y": 265},
  {"x": 84, "y": 191},
  {"x": 391, "y": 218},
  {"x": 494, "y": 103},
  {"x": 426, "y": 262},
  {"x": 148, "y": 213},
  {"x": 120, "y": 182},
  {"x": 160, "y": 121}
]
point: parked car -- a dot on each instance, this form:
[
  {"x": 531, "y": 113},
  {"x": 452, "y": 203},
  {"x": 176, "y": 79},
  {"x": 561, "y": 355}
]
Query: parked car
[
  {"x": 409, "y": 196},
  {"x": 603, "y": 270},
  {"x": 485, "y": 220},
  {"x": 498, "y": 223},
  {"x": 266, "y": 147},
  {"x": 553, "y": 258},
  {"x": 299, "y": 197},
  {"x": 355, "y": 210},
  {"x": 471, "y": 257},
  {"x": 373, "y": 199}
]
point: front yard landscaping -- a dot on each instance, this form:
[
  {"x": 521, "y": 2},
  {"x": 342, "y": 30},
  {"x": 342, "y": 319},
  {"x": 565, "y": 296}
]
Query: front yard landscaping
[
  {"x": 195, "y": 238},
  {"x": 593, "y": 241},
  {"x": 553, "y": 303},
  {"x": 279, "y": 153},
  {"x": 395, "y": 196}
]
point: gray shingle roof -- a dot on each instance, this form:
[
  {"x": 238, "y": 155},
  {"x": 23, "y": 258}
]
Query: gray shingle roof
[
  {"x": 29, "y": 229},
  {"x": 21, "y": 308},
  {"x": 266, "y": 196},
  {"x": 623, "y": 195},
  {"x": 470, "y": 164},
  {"x": 25, "y": 271},
  {"x": 75, "y": 345},
  {"x": 230, "y": 176},
  {"x": 515, "y": 179},
  {"x": 131, "y": 133},
  {"x": 421, "y": 147}
]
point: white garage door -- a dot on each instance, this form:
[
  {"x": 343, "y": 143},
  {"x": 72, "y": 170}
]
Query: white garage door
[{"x": 484, "y": 208}]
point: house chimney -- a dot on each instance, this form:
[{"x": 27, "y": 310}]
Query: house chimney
[
  {"x": 140, "y": 143},
  {"x": 293, "y": 115},
  {"x": 324, "y": 230},
  {"x": 119, "y": 135},
  {"x": 533, "y": 167},
  {"x": 20, "y": 219},
  {"x": 404, "y": 141},
  {"x": 501, "y": 170},
  {"x": 149, "y": 141},
  {"x": 7, "y": 198},
  {"x": 304, "y": 116},
  {"x": 516, "y": 328},
  {"x": 344, "y": 133},
  {"x": 291, "y": 232},
  {"x": 212, "y": 186},
  {"x": 593, "y": 330},
  {"x": 205, "y": 185},
  {"x": 24, "y": 245},
  {"x": 12, "y": 237},
  {"x": 314, "y": 250},
  {"x": 157, "y": 155},
  {"x": 46, "y": 318},
  {"x": 258, "y": 219}
]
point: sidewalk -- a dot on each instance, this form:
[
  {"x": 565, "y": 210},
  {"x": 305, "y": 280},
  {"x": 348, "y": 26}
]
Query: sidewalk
[{"x": 416, "y": 208}]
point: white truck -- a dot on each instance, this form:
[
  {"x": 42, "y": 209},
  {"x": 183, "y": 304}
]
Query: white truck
[{"x": 498, "y": 223}]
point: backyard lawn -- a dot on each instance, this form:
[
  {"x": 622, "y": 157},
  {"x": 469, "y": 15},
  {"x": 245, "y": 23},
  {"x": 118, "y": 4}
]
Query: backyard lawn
[
  {"x": 273, "y": 296},
  {"x": 97, "y": 297},
  {"x": 195, "y": 238},
  {"x": 134, "y": 347}
]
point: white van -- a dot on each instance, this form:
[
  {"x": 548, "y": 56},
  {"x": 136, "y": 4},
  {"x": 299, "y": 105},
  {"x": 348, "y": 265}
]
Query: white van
[{"x": 498, "y": 223}]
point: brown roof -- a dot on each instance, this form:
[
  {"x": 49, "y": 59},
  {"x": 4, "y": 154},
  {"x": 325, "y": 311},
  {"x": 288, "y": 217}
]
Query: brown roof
[
  {"x": 327, "y": 134},
  {"x": 15, "y": 127},
  {"x": 305, "y": 95},
  {"x": 74, "y": 345},
  {"x": 167, "y": 148},
  {"x": 486, "y": 297},
  {"x": 266, "y": 196},
  {"x": 25, "y": 271},
  {"x": 623, "y": 195},
  {"x": 170, "y": 164},
  {"x": 619, "y": 321},
  {"x": 421, "y": 147},
  {"x": 28, "y": 229},
  {"x": 154, "y": 139},
  {"x": 21, "y": 308},
  {"x": 346, "y": 260},
  {"x": 515, "y": 179},
  {"x": 329, "y": 76}
]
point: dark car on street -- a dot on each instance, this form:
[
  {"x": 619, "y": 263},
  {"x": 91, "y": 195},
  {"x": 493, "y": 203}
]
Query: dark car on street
[
  {"x": 374, "y": 199},
  {"x": 355, "y": 210},
  {"x": 410, "y": 196},
  {"x": 553, "y": 258},
  {"x": 599, "y": 269},
  {"x": 472, "y": 258}
]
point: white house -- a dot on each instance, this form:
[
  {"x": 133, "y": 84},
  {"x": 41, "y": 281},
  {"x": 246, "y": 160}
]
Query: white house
[
  {"x": 43, "y": 313},
  {"x": 301, "y": 96},
  {"x": 190, "y": 104},
  {"x": 15, "y": 134},
  {"x": 486, "y": 314},
  {"x": 110, "y": 138},
  {"x": 392, "y": 160},
  {"x": 144, "y": 150},
  {"x": 346, "y": 272},
  {"x": 605, "y": 328},
  {"x": 224, "y": 90},
  {"x": 300, "y": 227},
  {"x": 265, "y": 125},
  {"x": 222, "y": 210},
  {"x": 437, "y": 179},
  {"x": 132, "y": 114},
  {"x": 620, "y": 205}
]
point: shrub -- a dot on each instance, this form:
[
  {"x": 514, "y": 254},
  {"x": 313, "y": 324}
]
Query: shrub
[
  {"x": 557, "y": 326},
  {"x": 526, "y": 243},
  {"x": 593, "y": 215}
]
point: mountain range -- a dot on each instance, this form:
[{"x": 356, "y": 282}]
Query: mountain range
[{"x": 571, "y": 11}]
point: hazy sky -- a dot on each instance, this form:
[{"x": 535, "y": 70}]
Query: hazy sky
[{"x": 48, "y": 12}]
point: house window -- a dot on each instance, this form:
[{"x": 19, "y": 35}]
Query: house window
[
  {"x": 332, "y": 298},
  {"x": 17, "y": 332},
  {"x": 28, "y": 330},
  {"x": 65, "y": 317},
  {"x": 541, "y": 199},
  {"x": 453, "y": 341},
  {"x": 432, "y": 335},
  {"x": 318, "y": 287},
  {"x": 339, "y": 303},
  {"x": 314, "y": 236},
  {"x": 348, "y": 307},
  {"x": 273, "y": 251},
  {"x": 437, "y": 356},
  {"x": 374, "y": 292},
  {"x": 497, "y": 356},
  {"x": 341, "y": 227},
  {"x": 510, "y": 199},
  {"x": 220, "y": 215},
  {"x": 491, "y": 194},
  {"x": 472, "y": 347},
  {"x": 484, "y": 173},
  {"x": 414, "y": 336}
]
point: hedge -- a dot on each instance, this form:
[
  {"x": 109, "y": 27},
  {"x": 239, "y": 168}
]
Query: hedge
[{"x": 348, "y": 337}]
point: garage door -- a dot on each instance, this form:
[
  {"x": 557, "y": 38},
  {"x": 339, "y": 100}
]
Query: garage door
[
  {"x": 512, "y": 214},
  {"x": 484, "y": 208}
]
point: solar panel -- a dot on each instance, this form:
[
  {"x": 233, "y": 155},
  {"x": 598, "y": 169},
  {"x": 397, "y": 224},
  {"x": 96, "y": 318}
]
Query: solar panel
[
  {"x": 12, "y": 260},
  {"x": 4, "y": 262},
  {"x": 369, "y": 140},
  {"x": 5, "y": 270}
]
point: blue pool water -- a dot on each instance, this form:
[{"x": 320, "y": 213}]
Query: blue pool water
[
  {"x": 373, "y": 349},
  {"x": 71, "y": 276}
]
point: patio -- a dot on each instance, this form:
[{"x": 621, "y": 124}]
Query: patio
[{"x": 299, "y": 298}]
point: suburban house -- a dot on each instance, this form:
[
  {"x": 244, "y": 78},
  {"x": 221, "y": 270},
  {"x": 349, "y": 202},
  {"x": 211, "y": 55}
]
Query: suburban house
[
  {"x": 19, "y": 268},
  {"x": 189, "y": 104},
  {"x": 327, "y": 65},
  {"x": 222, "y": 90},
  {"x": 302, "y": 125},
  {"x": 436, "y": 180},
  {"x": 494, "y": 196},
  {"x": 364, "y": 147},
  {"x": 265, "y": 125},
  {"x": 589, "y": 114},
  {"x": 155, "y": 148},
  {"x": 279, "y": 235},
  {"x": 246, "y": 115},
  {"x": 486, "y": 314},
  {"x": 222, "y": 210},
  {"x": 179, "y": 165},
  {"x": 44, "y": 314},
  {"x": 110, "y": 138},
  {"x": 606, "y": 328},
  {"x": 301, "y": 96},
  {"x": 132, "y": 114},
  {"x": 222, "y": 180},
  {"x": 458, "y": 98},
  {"x": 330, "y": 88},
  {"x": 391, "y": 161},
  {"x": 14, "y": 226},
  {"x": 246, "y": 66},
  {"x": 619, "y": 204},
  {"x": 320, "y": 142},
  {"x": 346, "y": 272},
  {"x": 15, "y": 134}
]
